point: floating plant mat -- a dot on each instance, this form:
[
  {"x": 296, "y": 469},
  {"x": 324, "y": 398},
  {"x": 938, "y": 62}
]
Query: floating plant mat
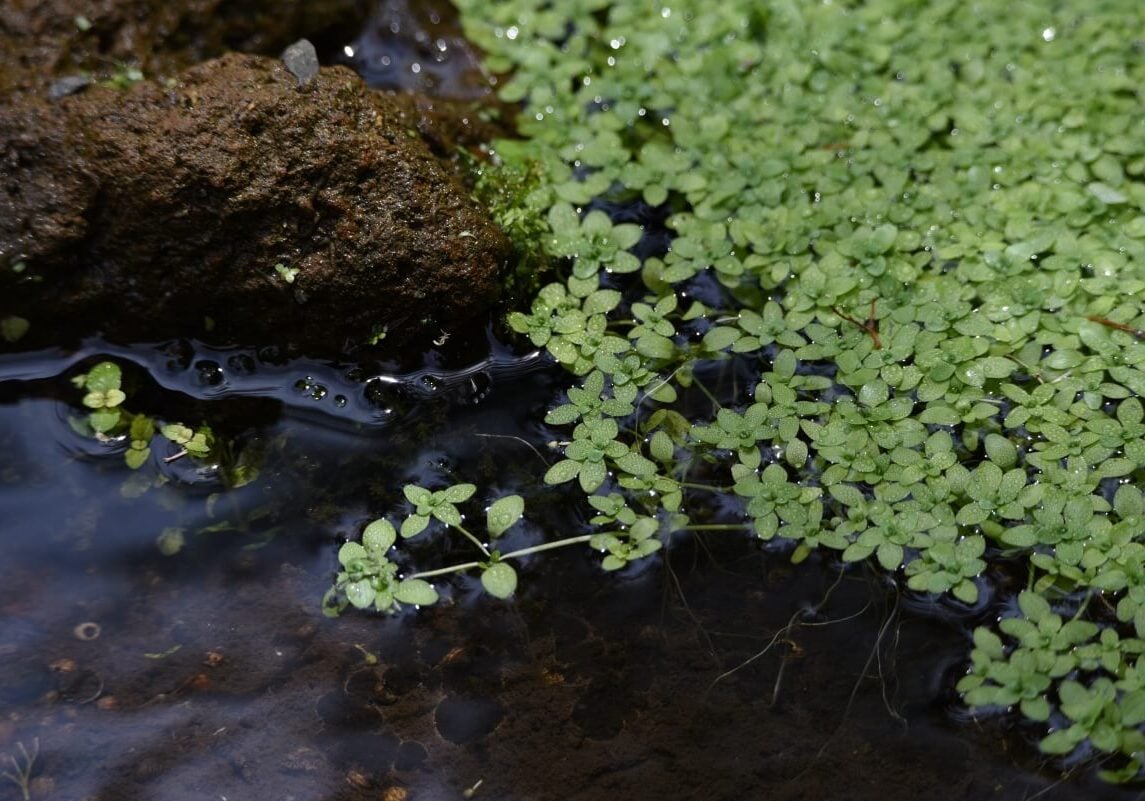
[{"x": 717, "y": 671}]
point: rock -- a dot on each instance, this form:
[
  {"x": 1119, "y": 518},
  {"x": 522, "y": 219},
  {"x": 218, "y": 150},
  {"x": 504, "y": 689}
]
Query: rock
[
  {"x": 232, "y": 206},
  {"x": 301, "y": 60},
  {"x": 68, "y": 85},
  {"x": 44, "y": 38}
]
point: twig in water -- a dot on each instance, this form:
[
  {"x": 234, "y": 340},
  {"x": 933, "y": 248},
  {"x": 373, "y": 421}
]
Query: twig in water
[
  {"x": 870, "y": 325},
  {"x": 1136, "y": 332}
]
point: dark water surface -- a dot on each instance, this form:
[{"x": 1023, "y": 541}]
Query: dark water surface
[{"x": 720, "y": 672}]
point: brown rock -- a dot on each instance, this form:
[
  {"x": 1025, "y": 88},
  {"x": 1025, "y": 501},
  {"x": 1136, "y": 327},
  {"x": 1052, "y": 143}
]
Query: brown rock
[
  {"x": 144, "y": 212},
  {"x": 44, "y": 38}
]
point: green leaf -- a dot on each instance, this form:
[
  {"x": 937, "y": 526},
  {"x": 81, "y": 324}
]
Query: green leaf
[
  {"x": 104, "y": 377},
  {"x": 1034, "y": 606},
  {"x": 379, "y": 536},
  {"x": 890, "y": 556},
  {"x": 361, "y": 593},
  {"x": 171, "y": 541},
  {"x": 1036, "y": 708},
  {"x": 874, "y": 393},
  {"x": 563, "y": 415},
  {"x": 447, "y": 513},
  {"x": 503, "y": 513},
  {"x": 414, "y": 525},
  {"x": 499, "y": 580},
  {"x": 796, "y": 453},
  {"x": 562, "y": 471},
  {"x": 661, "y": 447},
  {"x": 142, "y": 428},
  {"x": 1061, "y": 741},
  {"x": 459, "y": 493},
  {"x": 655, "y": 346},
  {"x": 418, "y": 496},
  {"x": 104, "y": 420},
  {"x": 137, "y": 457},
  {"x": 989, "y": 643},
  {"x": 350, "y": 553},
  {"x": 636, "y": 464},
  {"x": 846, "y": 495},
  {"x": 13, "y": 328},
  {"x": 416, "y": 592},
  {"x": 177, "y": 433},
  {"x": 1133, "y": 708},
  {"x": 966, "y": 591},
  {"x": 1001, "y": 451},
  {"x": 592, "y": 475}
]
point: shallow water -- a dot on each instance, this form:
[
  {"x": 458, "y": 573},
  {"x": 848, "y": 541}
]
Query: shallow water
[{"x": 720, "y": 672}]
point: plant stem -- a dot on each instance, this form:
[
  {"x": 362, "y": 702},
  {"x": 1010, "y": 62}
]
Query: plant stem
[
  {"x": 548, "y": 546},
  {"x": 473, "y": 539},
  {"x": 443, "y": 571},
  {"x": 708, "y": 392},
  {"x": 717, "y": 527}
]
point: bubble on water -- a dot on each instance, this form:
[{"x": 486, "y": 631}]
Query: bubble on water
[
  {"x": 209, "y": 373},
  {"x": 386, "y": 398},
  {"x": 241, "y": 363},
  {"x": 431, "y": 383}
]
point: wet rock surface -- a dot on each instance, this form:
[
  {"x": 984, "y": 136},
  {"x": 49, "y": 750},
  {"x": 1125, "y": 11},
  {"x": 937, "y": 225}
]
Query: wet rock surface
[
  {"x": 232, "y": 204},
  {"x": 45, "y": 38}
]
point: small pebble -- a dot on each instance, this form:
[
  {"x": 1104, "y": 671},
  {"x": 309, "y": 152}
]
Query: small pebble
[
  {"x": 68, "y": 85},
  {"x": 301, "y": 60}
]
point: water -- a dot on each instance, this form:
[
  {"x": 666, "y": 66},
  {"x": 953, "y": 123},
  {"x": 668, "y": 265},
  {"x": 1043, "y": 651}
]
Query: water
[
  {"x": 417, "y": 47},
  {"x": 720, "y": 672}
]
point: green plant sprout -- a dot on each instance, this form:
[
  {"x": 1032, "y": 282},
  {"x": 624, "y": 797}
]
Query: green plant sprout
[
  {"x": 287, "y": 274},
  {"x": 22, "y": 767},
  {"x": 123, "y": 76},
  {"x": 109, "y": 421},
  {"x": 13, "y": 328},
  {"x": 370, "y": 579}
]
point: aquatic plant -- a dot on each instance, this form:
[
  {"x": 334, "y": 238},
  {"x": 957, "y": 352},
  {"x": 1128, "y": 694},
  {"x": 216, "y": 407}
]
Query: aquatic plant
[
  {"x": 111, "y": 423},
  {"x": 22, "y": 767},
  {"x": 370, "y": 579},
  {"x": 899, "y": 317}
]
